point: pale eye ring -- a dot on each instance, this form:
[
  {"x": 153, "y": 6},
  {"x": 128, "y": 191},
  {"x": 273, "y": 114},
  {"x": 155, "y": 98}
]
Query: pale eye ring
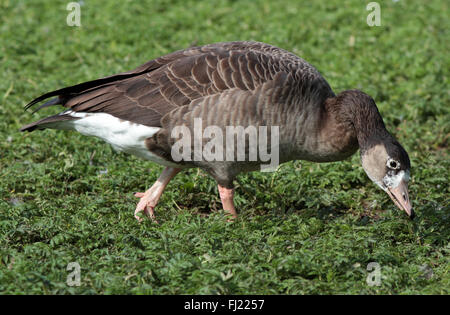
[{"x": 393, "y": 164}]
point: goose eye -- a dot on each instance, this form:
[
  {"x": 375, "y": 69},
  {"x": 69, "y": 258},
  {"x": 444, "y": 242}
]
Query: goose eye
[{"x": 393, "y": 164}]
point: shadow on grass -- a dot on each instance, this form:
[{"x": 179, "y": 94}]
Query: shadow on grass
[{"x": 205, "y": 203}]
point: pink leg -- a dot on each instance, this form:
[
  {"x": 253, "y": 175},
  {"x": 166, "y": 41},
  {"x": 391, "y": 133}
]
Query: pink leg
[
  {"x": 150, "y": 198},
  {"x": 226, "y": 195}
]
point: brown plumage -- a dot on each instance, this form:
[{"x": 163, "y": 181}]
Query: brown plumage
[{"x": 246, "y": 84}]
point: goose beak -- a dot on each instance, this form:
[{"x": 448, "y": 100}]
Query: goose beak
[{"x": 400, "y": 197}]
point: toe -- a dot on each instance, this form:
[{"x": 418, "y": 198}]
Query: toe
[
  {"x": 140, "y": 207},
  {"x": 136, "y": 212}
]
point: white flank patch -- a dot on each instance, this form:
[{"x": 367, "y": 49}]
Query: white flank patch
[{"x": 124, "y": 136}]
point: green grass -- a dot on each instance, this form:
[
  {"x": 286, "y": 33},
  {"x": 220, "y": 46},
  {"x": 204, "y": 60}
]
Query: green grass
[{"x": 307, "y": 228}]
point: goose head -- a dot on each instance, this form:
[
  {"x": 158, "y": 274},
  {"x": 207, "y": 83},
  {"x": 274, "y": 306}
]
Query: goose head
[
  {"x": 387, "y": 165},
  {"x": 384, "y": 160}
]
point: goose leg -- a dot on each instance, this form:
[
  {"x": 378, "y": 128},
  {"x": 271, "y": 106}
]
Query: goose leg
[
  {"x": 226, "y": 196},
  {"x": 150, "y": 198}
]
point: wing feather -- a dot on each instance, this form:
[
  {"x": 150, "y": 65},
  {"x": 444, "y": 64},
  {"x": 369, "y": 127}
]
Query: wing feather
[{"x": 151, "y": 91}]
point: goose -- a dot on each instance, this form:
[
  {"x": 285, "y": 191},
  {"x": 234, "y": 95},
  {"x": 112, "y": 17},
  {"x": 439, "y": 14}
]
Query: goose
[{"x": 169, "y": 107}]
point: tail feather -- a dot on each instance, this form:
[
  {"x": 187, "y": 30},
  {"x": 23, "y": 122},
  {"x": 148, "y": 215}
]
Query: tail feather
[
  {"x": 73, "y": 90},
  {"x": 47, "y": 122},
  {"x": 65, "y": 95},
  {"x": 53, "y": 101}
]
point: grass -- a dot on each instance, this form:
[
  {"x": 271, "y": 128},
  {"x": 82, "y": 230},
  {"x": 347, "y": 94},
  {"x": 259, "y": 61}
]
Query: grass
[{"x": 305, "y": 229}]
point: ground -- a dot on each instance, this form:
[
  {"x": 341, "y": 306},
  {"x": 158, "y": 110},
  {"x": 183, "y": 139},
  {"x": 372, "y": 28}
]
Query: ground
[{"x": 306, "y": 228}]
